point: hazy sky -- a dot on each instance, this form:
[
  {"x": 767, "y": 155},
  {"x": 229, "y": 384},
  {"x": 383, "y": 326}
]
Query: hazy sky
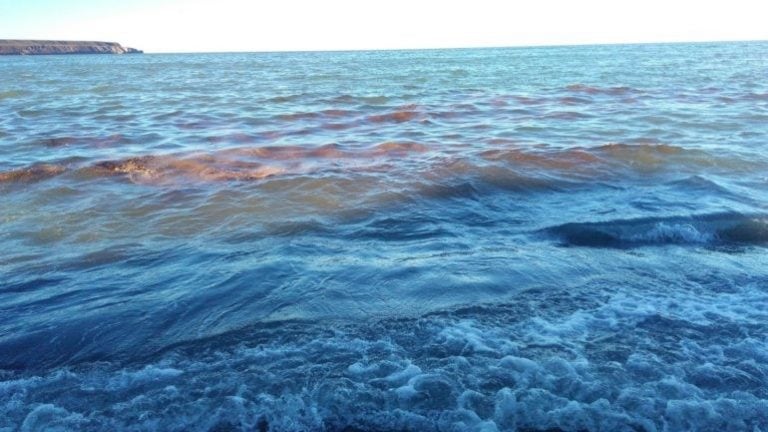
[{"x": 276, "y": 25}]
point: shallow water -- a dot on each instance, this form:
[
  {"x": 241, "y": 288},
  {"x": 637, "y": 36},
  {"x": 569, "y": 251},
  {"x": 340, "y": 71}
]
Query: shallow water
[{"x": 564, "y": 238}]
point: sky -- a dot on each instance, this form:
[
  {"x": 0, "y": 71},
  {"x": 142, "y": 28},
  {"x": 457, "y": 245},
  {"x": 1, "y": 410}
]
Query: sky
[{"x": 289, "y": 25}]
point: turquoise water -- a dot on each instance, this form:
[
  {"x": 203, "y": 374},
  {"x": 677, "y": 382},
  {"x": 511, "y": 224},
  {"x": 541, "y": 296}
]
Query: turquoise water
[{"x": 561, "y": 238}]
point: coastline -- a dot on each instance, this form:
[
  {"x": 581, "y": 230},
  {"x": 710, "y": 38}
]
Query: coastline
[{"x": 52, "y": 47}]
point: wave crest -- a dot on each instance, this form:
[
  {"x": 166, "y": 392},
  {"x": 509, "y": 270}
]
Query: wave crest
[{"x": 712, "y": 229}]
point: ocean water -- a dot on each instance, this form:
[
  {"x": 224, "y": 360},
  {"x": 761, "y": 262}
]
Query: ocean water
[{"x": 559, "y": 238}]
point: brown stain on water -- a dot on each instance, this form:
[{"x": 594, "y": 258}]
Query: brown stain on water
[
  {"x": 554, "y": 160},
  {"x": 402, "y": 114},
  {"x": 237, "y": 164},
  {"x": 31, "y": 174},
  {"x": 394, "y": 117},
  {"x": 647, "y": 155},
  {"x": 154, "y": 169},
  {"x": 257, "y": 163},
  {"x": 398, "y": 148}
]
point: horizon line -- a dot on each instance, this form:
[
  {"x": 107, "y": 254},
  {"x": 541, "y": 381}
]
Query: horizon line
[{"x": 448, "y": 48}]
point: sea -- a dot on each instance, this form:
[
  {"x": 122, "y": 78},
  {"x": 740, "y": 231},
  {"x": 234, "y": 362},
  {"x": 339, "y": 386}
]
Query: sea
[{"x": 512, "y": 239}]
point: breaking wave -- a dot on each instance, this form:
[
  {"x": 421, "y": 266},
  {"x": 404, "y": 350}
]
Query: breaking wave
[
  {"x": 713, "y": 229},
  {"x": 553, "y": 360}
]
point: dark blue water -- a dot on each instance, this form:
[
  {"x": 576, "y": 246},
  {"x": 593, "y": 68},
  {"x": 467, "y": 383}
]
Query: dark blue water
[{"x": 498, "y": 239}]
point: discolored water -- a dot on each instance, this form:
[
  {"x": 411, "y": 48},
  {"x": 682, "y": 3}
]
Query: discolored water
[{"x": 567, "y": 238}]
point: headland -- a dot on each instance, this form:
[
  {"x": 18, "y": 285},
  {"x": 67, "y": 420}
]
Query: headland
[{"x": 47, "y": 47}]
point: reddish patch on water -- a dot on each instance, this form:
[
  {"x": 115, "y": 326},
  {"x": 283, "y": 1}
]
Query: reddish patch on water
[
  {"x": 328, "y": 151},
  {"x": 402, "y": 114},
  {"x": 561, "y": 160},
  {"x": 390, "y": 148},
  {"x": 274, "y": 152},
  {"x": 243, "y": 163},
  {"x": 30, "y": 174},
  {"x": 161, "y": 169},
  {"x": 394, "y": 117}
]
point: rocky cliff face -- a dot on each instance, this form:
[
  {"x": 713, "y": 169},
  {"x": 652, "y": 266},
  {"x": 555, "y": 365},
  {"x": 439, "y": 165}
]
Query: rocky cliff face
[{"x": 39, "y": 47}]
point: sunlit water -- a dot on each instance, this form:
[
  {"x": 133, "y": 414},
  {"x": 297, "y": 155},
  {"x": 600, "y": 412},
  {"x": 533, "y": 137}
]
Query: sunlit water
[{"x": 533, "y": 239}]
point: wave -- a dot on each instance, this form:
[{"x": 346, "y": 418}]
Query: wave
[
  {"x": 554, "y": 359},
  {"x": 719, "y": 229}
]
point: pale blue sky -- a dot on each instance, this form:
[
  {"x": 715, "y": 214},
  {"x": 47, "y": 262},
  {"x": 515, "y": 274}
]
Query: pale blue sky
[{"x": 272, "y": 25}]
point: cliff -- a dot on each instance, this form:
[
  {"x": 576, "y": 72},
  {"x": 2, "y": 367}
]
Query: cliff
[{"x": 39, "y": 47}]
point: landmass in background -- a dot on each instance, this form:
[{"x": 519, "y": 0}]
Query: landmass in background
[{"x": 41, "y": 47}]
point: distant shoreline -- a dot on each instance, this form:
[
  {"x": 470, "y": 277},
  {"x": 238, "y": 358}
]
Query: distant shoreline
[{"x": 52, "y": 47}]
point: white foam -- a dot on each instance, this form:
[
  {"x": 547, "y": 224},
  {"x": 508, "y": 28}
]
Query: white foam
[
  {"x": 654, "y": 360},
  {"x": 674, "y": 233},
  {"x": 48, "y": 417},
  {"x": 150, "y": 373}
]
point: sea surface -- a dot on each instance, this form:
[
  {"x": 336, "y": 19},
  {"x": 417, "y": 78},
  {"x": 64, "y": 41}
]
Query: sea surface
[{"x": 556, "y": 238}]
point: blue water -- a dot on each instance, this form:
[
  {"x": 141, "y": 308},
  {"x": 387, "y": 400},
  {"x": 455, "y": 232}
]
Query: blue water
[{"x": 561, "y": 238}]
